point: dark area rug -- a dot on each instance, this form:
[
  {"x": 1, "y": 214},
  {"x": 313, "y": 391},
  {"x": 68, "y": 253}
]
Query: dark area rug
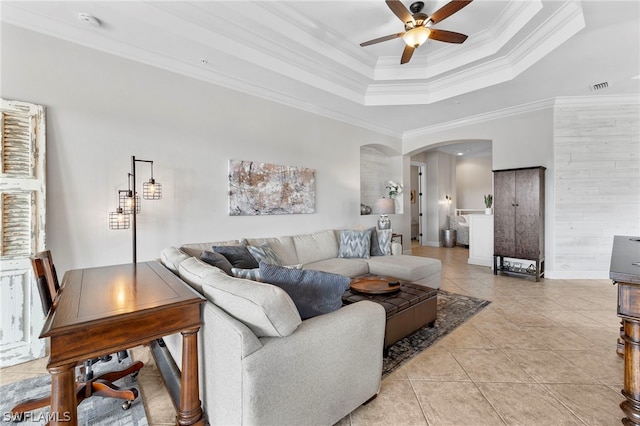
[
  {"x": 453, "y": 310},
  {"x": 93, "y": 411}
]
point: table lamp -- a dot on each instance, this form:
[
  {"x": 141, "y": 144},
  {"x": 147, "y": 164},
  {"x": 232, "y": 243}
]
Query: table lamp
[{"x": 383, "y": 207}]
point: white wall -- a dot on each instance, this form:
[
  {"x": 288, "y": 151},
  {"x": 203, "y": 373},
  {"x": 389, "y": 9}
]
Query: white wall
[
  {"x": 474, "y": 179},
  {"x": 102, "y": 109}
]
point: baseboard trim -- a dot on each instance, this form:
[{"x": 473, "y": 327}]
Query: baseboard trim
[
  {"x": 576, "y": 275},
  {"x": 480, "y": 261}
]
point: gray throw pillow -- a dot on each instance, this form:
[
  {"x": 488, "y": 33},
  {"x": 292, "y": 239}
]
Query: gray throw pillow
[
  {"x": 313, "y": 292},
  {"x": 354, "y": 244},
  {"x": 217, "y": 260},
  {"x": 375, "y": 246},
  {"x": 238, "y": 256}
]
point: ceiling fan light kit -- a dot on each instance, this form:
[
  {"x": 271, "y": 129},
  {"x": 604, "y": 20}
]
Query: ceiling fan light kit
[
  {"x": 415, "y": 24},
  {"x": 417, "y": 36}
]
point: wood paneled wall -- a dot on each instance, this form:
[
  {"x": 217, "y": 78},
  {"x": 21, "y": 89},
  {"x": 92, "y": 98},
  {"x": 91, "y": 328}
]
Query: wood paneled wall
[{"x": 597, "y": 182}]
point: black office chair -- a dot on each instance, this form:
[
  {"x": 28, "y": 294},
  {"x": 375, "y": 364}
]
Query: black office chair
[{"x": 88, "y": 385}]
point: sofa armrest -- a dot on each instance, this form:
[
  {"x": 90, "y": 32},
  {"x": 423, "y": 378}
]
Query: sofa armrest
[{"x": 338, "y": 355}]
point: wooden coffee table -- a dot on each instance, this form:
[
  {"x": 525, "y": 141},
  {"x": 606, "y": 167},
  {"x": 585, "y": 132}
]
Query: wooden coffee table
[
  {"x": 408, "y": 306},
  {"x": 375, "y": 284}
]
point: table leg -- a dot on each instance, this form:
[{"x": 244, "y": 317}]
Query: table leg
[
  {"x": 190, "y": 410},
  {"x": 631, "y": 391},
  {"x": 63, "y": 395}
]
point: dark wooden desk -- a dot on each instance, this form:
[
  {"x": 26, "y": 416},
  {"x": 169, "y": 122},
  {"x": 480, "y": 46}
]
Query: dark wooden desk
[
  {"x": 625, "y": 271},
  {"x": 107, "y": 309}
]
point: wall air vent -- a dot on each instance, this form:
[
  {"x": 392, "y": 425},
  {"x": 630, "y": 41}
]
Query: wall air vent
[{"x": 599, "y": 86}]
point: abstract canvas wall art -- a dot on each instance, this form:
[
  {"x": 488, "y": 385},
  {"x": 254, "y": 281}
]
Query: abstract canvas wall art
[{"x": 270, "y": 189}]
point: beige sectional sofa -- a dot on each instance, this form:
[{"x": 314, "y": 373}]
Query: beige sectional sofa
[{"x": 260, "y": 364}]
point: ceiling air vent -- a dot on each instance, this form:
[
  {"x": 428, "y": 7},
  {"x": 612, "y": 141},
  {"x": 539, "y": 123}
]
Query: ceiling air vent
[{"x": 599, "y": 86}]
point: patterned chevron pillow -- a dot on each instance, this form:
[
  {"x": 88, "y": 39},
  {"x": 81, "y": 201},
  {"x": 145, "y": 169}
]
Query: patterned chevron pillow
[
  {"x": 354, "y": 244},
  {"x": 264, "y": 253},
  {"x": 384, "y": 241},
  {"x": 380, "y": 241}
]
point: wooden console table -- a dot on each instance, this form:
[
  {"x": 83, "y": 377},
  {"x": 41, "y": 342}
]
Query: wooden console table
[
  {"x": 107, "y": 309},
  {"x": 625, "y": 271}
]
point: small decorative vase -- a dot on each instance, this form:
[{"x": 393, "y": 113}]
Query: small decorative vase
[
  {"x": 488, "y": 210},
  {"x": 384, "y": 222}
]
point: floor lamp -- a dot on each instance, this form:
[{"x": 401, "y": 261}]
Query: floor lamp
[{"x": 129, "y": 203}]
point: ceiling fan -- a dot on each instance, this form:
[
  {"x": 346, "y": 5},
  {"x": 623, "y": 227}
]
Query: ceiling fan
[{"x": 417, "y": 26}]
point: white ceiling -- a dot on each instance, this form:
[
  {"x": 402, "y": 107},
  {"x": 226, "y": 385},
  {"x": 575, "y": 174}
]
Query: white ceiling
[{"x": 306, "y": 53}]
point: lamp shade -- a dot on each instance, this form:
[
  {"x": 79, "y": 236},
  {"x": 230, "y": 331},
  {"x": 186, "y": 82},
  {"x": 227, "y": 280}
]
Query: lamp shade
[{"x": 384, "y": 206}]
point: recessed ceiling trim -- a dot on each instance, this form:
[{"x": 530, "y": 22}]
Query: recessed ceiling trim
[
  {"x": 565, "y": 22},
  {"x": 560, "y": 27},
  {"x": 478, "y": 46}
]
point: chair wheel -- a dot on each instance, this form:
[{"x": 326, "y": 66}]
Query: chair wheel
[{"x": 126, "y": 405}]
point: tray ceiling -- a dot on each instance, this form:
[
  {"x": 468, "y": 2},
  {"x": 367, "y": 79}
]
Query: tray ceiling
[{"x": 306, "y": 53}]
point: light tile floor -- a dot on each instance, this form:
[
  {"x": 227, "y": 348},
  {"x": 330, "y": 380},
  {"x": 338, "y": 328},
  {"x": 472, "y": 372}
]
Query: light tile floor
[{"x": 539, "y": 354}]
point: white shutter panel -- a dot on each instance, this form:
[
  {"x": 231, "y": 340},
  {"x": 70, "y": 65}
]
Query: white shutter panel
[{"x": 22, "y": 231}]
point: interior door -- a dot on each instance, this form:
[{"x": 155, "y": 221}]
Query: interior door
[
  {"x": 528, "y": 216},
  {"x": 22, "y": 211},
  {"x": 504, "y": 213}
]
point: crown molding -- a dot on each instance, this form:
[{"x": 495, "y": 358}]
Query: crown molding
[
  {"x": 565, "y": 101},
  {"x": 596, "y": 100},
  {"x": 480, "y": 118}
]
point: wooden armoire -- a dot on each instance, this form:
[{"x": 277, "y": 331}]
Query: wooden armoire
[{"x": 518, "y": 221}]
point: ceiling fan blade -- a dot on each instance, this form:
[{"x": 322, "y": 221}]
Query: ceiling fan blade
[
  {"x": 448, "y": 9},
  {"x": 446, "y": 36},
  {"x": 406, "y": 55},
  {"x": 381, "y": 39},
  {"x": 400, "y": 11}
]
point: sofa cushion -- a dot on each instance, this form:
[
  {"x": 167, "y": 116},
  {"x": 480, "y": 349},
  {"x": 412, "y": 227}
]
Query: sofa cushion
[
  {"x": 354, "y": 244},
  {"x": 266, "y": 309},
  {"x": 313, "y": 292},
  {"x": 217, "y": 260},
  {"x": 347, "y": 267},
  {"x": 171, "y": 258},
  {"x": 408, "y": 268},
  {"x": 238, "y": 256},
  {"x": 193, "y": 271},
  {"x": 196, "y": 249},
  {"x": 316, "y": 246},
  {"x": 264, "y": 253},
  {"x": 283, "y": 246}
]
